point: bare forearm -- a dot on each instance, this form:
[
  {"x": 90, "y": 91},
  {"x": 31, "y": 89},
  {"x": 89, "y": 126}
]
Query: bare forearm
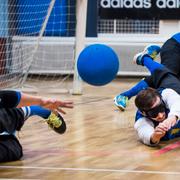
[
  {"x": 49, "y": 103},
  {"x": 27, "y": 100}
]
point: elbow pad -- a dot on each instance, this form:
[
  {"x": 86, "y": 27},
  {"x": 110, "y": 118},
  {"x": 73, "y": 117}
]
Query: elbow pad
[{"x": 9, "y": 99}]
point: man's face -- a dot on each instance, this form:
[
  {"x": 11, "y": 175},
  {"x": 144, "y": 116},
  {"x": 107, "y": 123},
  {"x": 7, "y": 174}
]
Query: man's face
[{"x": 157, "y": 111}]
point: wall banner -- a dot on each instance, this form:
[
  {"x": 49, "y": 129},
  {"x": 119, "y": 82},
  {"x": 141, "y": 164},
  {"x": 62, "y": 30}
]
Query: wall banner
[{"x": 139, "y": 9}]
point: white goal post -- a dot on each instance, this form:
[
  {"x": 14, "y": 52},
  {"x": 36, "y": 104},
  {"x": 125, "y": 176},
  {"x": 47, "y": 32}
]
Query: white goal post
[{"x": 81, "y": 14}]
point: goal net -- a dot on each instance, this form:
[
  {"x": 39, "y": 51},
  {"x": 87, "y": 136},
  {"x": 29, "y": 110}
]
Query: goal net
[{"x": 37, "y": 42}]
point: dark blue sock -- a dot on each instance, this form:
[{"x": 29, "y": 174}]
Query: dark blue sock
[
  {"x": 151, "y": 65},
  {"x": 36, "y": 110},
  {"x": 135, "y": 89}
]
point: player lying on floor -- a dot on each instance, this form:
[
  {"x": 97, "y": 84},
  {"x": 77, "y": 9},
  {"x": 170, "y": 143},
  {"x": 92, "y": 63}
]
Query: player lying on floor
[
  {"x": 170, "y": 57},
  {"x": 158, "y": 112}
]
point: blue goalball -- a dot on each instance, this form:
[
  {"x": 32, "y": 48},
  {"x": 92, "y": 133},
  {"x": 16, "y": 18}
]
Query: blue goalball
[{"x": 98, "y": 64}]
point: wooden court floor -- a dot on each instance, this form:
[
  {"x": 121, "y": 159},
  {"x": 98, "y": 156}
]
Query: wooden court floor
[{"x": 99, "y": 144}]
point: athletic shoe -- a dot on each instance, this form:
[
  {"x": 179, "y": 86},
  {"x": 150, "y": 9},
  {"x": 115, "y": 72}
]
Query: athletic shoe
[
  {"x": 57, "y": 123},
  {"x": 151, "y": 50},
  {"x": 121, "y": 102}
]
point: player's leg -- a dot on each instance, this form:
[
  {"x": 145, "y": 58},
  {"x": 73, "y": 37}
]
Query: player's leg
[
  {"x": 145, "y": 59},
  {"x": 170, "y": 57},
  {"x": 177, "y": 37},
  {"x": 170, "y": 54},
  {"x": 121, "y": 100},
  {"x": 13, "y": 119},
  {"x": 10, "y": 148},
  {"x": 148, "y": 62},
  {"x": 10, "y": 121},
  {"x": 162, "y": 77},
  {"x": 56, "y": 122}
]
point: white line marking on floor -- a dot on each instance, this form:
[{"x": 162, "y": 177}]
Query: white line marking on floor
[{"x": 92, "y": 170}]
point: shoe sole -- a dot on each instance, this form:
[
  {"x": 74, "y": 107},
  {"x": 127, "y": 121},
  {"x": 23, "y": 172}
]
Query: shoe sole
[
  {"x": 144, "y": 52},
  {"x": 135, "y": 57},
  {"x": 120, "y": 107},
  {"x": 62, "y": 128}
]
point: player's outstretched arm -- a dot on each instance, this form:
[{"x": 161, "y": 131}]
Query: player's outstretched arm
[{"x": 49, "y": 103}]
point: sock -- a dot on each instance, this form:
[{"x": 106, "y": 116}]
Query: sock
[
  {"x": 135, "y": 89},
  {"x": 36, "y": 110},
  {"x": 151, "y": 65}
]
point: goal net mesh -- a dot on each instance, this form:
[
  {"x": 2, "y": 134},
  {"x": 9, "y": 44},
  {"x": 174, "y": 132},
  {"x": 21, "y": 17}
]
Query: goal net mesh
[{"x": 37, "y": 40}]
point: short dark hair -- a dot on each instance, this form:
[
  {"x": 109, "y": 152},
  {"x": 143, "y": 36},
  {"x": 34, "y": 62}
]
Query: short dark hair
[{"x": 146, "y": 98}]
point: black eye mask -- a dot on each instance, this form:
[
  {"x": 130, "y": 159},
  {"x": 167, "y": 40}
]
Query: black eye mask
[{"x": 153, "y": 113}]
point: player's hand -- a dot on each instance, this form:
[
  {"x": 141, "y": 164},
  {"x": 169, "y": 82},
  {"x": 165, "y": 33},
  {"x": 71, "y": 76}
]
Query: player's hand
[
  {"x": 157, "y": 135},
  {"x": 160, "y": 131},
  {"x": 168, "y": 123},
  {"x": 163, "y": 127},
  {"x": 56, "y": 105}
]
